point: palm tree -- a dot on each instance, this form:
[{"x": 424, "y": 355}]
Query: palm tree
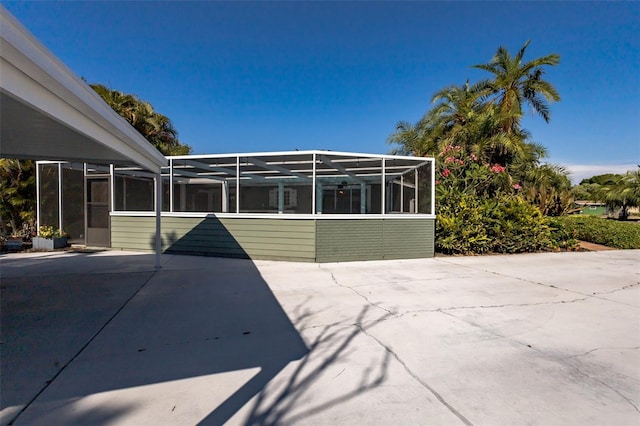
[
  {"x": 516, "y": 83},
  {"x": 622, "y": 192},
  {"x": 155, "y": 127},
  {"x": 548, "y": 187}
]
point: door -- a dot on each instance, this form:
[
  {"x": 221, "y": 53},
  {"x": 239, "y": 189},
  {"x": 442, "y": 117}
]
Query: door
[{"x": 98, "y": 230}]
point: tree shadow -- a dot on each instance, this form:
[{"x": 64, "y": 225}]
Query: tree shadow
[
  {"x": 76, "y": 345},
  {"x": 327, "y": 349}
]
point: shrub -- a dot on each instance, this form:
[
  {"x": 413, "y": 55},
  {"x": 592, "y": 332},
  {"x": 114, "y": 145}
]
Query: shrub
[
  {"x": 460, "y": 226},
  {"x": 562, "y": 237},
  {"x": 612, "y": 233},
  {"x": 46, "y": 231},
  {"x": 467, "y": 224},
  {"x": 516, "y": 226}
]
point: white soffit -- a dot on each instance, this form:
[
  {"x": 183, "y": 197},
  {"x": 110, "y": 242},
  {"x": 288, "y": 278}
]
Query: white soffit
[{"x": 48, "y": 113}]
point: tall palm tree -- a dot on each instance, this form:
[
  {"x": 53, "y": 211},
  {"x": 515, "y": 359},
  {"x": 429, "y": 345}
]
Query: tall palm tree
[{"x": 516, "y": 82}]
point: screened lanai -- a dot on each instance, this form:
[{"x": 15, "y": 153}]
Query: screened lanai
[
  {"x": 284, "y": 182},
  {"x": 298, "y": 205}
]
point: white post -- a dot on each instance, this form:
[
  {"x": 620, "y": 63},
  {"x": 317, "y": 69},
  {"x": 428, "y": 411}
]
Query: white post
[
  {"x": 416, "y": 192},
  {"x": 59, "y": 195},
  {"x": 313, "y": 190},
  {"x": 171, "y": 185},
  {"x": 401, "y": 193},
  {"x": 363, "y": 198},
  {"x": 237, "y": 184},
  {"x": 84, "y": 198},
  {"x": 112, "y": 189},
  {"x": 280, "y": 197},
  {"x": 37, "y": 197},
  {"x": 318, "y": 197},
  {"x": 384, "y": 183},
  {"x": 158, "y": 188},
  {"x": 433, "y": 186},
  {"x": 225, "y": 197}
]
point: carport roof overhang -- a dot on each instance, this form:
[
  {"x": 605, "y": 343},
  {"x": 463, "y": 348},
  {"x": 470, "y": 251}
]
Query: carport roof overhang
[{"x": 48, "y": 113}]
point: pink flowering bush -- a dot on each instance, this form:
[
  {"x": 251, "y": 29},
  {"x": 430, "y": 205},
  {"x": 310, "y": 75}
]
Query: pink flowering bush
[{"x": 480, "y": 209}]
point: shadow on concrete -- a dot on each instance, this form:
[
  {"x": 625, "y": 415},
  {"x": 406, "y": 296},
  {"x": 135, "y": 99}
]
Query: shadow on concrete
[
  {"x": 330, "y": 346},
  {"x": 69, "y": 339}
]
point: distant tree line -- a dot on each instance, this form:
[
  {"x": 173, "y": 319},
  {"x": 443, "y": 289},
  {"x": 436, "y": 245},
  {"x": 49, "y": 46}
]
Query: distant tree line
[{"x": 618, "y": 192}]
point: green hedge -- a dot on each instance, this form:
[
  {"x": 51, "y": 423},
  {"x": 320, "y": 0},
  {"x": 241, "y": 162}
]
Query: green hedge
[
  {"x": 467, "y": 224},
  {"x": 608, "y": 232}
]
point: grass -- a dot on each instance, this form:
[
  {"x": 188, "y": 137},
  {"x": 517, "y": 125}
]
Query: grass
[{"x": 608, "y": 232}]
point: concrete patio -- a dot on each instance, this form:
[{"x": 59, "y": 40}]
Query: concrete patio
[{"x": 105, "y": 338}]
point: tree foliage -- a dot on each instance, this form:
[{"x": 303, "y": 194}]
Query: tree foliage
[
  {"x": 621, "y": 192},
  {"x": 488, "y": 168},
  {"x": 18, "y": 195},
  {"x": 155, "y": 127}
]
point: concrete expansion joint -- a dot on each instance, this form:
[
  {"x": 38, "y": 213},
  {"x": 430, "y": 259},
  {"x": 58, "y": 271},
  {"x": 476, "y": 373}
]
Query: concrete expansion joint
[
  {"x": 335, "y": 280},
  {"x": 548, "y": 285},
  {"x": 412, "y": 280},
  {"x": 506, "y": 305},
  {"x": 606, "y": 348},
  {"x": 617, "y": 289},
  {"x": 422, "y": 383},
  {"x": 563, "y": 361}
]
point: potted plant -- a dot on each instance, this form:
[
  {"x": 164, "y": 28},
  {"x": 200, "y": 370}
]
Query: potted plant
[{"x": 49, "y": 238}]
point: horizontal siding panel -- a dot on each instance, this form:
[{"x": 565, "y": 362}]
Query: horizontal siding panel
[
  {"x": 346, "y": 240},
  {"x": 406, "y": 239},
  {"x": 318, "y": 240},
  {"x": 255, "y": 238},
  {"x": 374, "y": 239}
]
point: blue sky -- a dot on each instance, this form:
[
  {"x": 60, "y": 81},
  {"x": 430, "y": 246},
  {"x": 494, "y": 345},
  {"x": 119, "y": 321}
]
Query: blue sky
[{"x": 245, "y": 76}]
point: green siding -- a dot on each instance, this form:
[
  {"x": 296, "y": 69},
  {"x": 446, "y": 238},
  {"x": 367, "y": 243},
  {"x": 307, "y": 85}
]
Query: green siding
[
  {"x": 277, "y": 239},
  {"x": 374, "y": 239},
  {"x": 342, "y": 240},
  {"x": 408, "y": 238},
  {"x": 322, "y": 240}
]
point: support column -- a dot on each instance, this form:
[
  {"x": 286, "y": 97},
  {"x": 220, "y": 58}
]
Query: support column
[
  {"x": 38, "y": 197},
  {"x": 59, "y": 195},
  {"x": 112, "y": 189},
  {"x": 158, "y": 188},
  {"x": 237, "y": 184},
  {"x": 319, "y": 197},
  {"x": 225, "y": 197},
  {"x": 363, "y": 198},
  {"x": 416, "y": 191},
  {"x": 401, "y": 193},
  {"x": 314, "y": 210},
  {"x": 433, "y": 186},
  {"x": 383, "y": 195},
  {"x": 171, "y": 185},
  {"x": 280, "y": 197}
]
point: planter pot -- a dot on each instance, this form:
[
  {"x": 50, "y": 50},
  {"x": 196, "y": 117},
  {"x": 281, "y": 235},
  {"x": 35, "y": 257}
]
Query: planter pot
[
  {"x": 40, "y": 243},
  {"x": 13, "y": 244}
]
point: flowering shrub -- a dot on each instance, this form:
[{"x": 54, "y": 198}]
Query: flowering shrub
[
  {"x": 460, "y": 172},
  {"x": 46, "y": 231},
  {"x": 480, "y": 209},
  {"x": 467, "y": 224}
]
